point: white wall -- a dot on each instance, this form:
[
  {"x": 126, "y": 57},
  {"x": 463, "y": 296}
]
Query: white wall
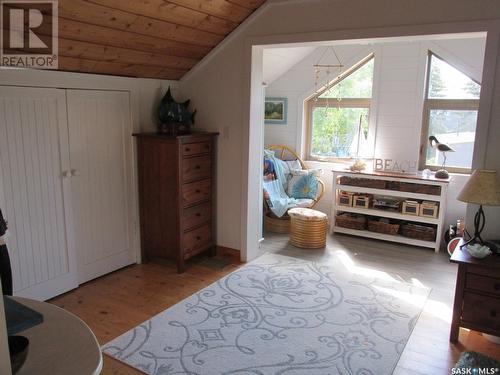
[
  {"x": 220, "y": 108},
  {"x": 150, "y": 93},
  {"x": 400, "y": 101},
  {"x": 220, "y": 86}
]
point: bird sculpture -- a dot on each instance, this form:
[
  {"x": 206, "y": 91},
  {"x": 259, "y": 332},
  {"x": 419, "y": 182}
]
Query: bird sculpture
[
  {"x": 444, "y": 148},
  {"x": 174, "y": 118}
]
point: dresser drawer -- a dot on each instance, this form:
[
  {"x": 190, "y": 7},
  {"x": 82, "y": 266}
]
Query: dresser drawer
[
  {"x": 483, "y": 283},
  {"x": 196, "y": 239},
  {"x": 196, "y": 192},
  {"x": 481, "y": 310},
  {"x": 194, "y": 216},
  {"x": 198, "y": 148},
  {"x": 196, "y": 168},
  {"x": 482, "y": 270}
]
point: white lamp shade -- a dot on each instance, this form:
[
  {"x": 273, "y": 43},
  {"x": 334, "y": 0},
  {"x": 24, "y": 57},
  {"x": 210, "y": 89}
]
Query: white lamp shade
[{"x": 482, "y": 188}]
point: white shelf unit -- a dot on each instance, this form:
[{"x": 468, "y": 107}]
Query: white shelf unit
[{"x": 438, "y": 222}]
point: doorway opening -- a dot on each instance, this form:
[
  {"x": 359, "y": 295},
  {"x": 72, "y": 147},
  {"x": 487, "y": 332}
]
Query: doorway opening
[{"x": 329, "y": 120}]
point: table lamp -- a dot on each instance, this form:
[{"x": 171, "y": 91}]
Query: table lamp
[{"x": 482, "y": 188}]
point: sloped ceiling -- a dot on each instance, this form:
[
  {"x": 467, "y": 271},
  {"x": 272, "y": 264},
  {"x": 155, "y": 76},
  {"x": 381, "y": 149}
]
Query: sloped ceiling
[
  {"x": 144, "y": 38},
  {"x": 277, "y": 61}
]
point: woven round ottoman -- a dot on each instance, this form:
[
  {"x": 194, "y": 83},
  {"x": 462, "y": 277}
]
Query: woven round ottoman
[{"x": 308, "y": 228}]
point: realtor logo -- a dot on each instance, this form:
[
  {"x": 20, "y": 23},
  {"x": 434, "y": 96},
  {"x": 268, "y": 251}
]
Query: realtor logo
[{"x": 29, "y": 34}]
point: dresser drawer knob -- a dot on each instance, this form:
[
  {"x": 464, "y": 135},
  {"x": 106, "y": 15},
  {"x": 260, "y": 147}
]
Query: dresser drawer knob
[
  {"x": 187, "y": 149},
  {"x": 197, "y": 191},
  {"x": 197, "y": 214},
  {"x": 207, "y": 147},
  {"x": 496, "y": 286},
  {"x": 198, "y": 238},
  {"x": 197, "y": 167},
  {"x": 493, "y": 313}
]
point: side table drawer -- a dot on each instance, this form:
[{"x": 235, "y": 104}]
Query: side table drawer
[
  {"x": 196, "y": 168},
  {"x": 482, "y": 270},
  {"x": 196, "y": 192},
  {"x": 196, "y": 215},
  {"x": 197, "y": 148},
  {"x": 483, "y": 284},
  {"x": 481, "y": 310},
  {"x": 196, "y": 239}
]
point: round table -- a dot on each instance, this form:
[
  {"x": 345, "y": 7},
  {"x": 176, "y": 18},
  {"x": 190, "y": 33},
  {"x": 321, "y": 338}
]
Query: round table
[{"x": 63, "y": 344}]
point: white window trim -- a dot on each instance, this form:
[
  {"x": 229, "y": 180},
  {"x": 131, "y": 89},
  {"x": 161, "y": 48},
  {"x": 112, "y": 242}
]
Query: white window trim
[{"x": 433, "y": 104}]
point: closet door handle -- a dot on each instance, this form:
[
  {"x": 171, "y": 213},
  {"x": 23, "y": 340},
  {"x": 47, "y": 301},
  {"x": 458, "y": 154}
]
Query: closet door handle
[
  {"x": 74, "y": 173},
  {"x": 66, "y": 174}
]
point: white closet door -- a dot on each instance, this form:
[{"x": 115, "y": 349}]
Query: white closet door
[
  {"x": 35, "y": 191},
  {"x": 101, "y": 161}
]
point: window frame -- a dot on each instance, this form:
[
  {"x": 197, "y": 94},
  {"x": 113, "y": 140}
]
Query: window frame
[
  {"x": 441, "y": 104},
  {"x": 315, "y": 101}
]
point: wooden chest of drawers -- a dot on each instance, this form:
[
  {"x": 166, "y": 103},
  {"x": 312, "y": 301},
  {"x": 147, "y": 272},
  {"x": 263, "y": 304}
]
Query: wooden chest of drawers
[
  {"x": 177, "y": 195},
  {"x": 477, "y": 294}
]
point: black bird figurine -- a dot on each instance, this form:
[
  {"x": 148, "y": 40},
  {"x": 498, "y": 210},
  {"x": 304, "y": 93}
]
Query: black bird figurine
[{"x": 444, "y": 148}]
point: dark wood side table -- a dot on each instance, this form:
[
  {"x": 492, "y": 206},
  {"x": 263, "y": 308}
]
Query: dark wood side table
[
  {"x": 477, "y": 294},
  {"x": 177, "y": 195}
]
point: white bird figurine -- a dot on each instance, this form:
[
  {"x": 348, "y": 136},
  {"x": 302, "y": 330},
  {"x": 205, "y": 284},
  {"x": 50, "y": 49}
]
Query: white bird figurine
[{"x": 444, "y": 148}]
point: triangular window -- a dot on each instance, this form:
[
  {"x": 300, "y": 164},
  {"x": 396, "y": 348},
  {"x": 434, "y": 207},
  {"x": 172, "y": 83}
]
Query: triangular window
[
  {"x": 447, "y": 82},
  {"x": 356, "y": 84}
]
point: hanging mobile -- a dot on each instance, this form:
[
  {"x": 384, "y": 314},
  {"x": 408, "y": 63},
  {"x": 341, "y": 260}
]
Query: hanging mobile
[
  {"x": 319, "y": 67},
  {"x": 327, "y": 85}
]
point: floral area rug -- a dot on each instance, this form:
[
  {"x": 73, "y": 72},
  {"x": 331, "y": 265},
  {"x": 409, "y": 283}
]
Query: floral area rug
[{"x": 278, "y": 315}]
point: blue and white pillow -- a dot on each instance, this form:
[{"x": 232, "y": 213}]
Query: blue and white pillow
[{"x": 303, "y": 184}]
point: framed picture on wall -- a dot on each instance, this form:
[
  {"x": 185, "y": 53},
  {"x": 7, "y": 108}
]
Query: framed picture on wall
[{"x": 275, "y": 111}]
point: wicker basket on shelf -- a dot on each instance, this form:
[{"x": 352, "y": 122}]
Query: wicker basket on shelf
[
  {"x": 419, "y": 188},
  {"x": 418, "y": 232},
  {"x": 362, "y": 182},
  {"x": 383, "y": 227},
  {"x": 350, "y": 221}
]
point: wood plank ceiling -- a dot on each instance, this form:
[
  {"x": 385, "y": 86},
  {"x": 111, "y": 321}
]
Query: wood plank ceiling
[{"x": 144, "y": 38}]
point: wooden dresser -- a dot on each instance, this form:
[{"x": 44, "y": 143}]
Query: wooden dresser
[
  {"x": 477, "y": 294},
  {"x": 177, "y": 195}
]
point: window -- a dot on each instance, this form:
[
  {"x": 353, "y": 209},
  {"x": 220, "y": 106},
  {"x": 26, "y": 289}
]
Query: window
[
  {"x": 450, "y": 114},
  {"x": 338, "y": 115}
]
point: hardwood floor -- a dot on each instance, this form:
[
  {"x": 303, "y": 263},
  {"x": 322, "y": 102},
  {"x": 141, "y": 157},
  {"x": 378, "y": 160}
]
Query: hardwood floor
[{"x": 113, "y": 304}]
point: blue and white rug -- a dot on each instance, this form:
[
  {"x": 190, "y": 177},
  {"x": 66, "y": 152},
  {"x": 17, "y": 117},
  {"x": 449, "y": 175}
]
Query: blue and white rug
[{"x": 278, "y": 315}]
